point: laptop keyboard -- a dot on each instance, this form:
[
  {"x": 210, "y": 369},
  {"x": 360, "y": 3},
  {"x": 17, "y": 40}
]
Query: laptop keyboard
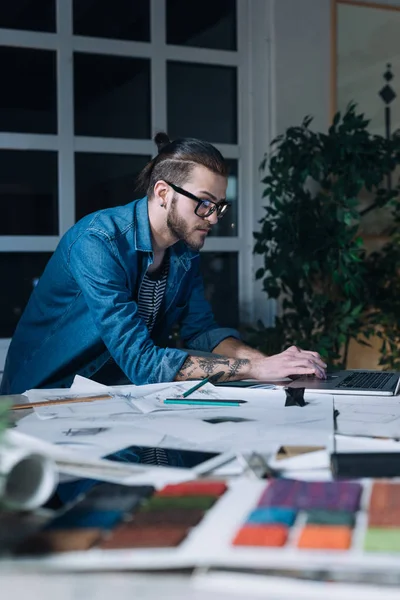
[{"x": 365, "y": 380}]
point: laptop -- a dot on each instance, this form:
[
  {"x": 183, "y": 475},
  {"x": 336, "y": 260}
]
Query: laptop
[{"x": 364, "y": 383}]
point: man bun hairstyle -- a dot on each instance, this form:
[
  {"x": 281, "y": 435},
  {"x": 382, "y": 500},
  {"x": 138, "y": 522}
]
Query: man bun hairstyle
[
  {"x": 161, "y": 140},
  {"x": 175, "y": 161}
]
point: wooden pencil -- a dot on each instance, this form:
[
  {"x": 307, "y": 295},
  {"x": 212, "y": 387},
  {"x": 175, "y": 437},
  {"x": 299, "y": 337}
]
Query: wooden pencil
[{"x": 60, "y": 401}]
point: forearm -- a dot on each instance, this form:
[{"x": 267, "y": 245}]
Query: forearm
[
  {"x": 234, "y": 348},
  {"x": 199, "y": 367}
]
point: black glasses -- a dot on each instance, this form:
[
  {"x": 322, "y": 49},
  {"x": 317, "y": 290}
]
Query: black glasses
[{"x": 204, "y": 208}]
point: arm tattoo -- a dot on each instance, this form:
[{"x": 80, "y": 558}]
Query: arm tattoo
[
  {"x": 234, "y": 369},
  {"x": 185, "y": 370},
  {"x": 210, "y": 365}
]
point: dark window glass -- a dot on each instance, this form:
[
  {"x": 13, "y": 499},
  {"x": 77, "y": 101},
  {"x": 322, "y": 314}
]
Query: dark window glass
[
  {"x": 220, "y": 276},
  {"x": 19, "y": 272},
  {"x": 206, "y": 24},
  {"x": 227, "y": 226},
  {"x": 34, "y": 15},
  {"x": 202, "y": 102},
  {"x": 112, "y": 96},
  {"x": 121, "y": 20},
  {"x": 28, "y": 192},
  {"x": 105, "y": 180},
  {"x": 28, "y": 98}
]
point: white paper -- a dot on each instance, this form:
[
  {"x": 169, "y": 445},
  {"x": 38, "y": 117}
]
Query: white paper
[
  {"x": 75, "y": 463},
  {"x": 368, "y": 416},
  {"x": 91, "y": 439}
]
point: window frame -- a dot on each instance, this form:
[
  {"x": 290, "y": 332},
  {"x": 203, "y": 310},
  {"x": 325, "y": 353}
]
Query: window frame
[{"x": 253, "y": 62}]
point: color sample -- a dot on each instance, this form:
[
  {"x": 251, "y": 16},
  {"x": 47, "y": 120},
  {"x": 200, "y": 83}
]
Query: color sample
[
  {"x": 194, "y": 488},
  {"x": 173, "y": 516},
  {"x": 144, "y": 537},
  {"x": 382, "y": 540},
  {"x": 325, "y": 537},
  {"x": 78, "y": 518},
  {"x": 49, "y": 542},
  {"x": 385, "y": 518},
  {"x": 261, "y": 535},
  {"x": 306, "y": 495},
  {"x": 285, "y": 516},
  {"x": 117, "y": 516},
  {"x": 330, "y": 517},
  {"x": 161, "y": 502},
  {"x": 384, "y": 496}
]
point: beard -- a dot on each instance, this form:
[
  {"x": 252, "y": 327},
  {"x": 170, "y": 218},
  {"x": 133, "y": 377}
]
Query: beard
[{"x": 178, "y": 227}]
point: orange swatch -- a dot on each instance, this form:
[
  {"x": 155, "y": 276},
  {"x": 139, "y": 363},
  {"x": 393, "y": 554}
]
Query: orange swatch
[
  {"x": 325, "y": 537},
  {"x": 265, "y": 535}
]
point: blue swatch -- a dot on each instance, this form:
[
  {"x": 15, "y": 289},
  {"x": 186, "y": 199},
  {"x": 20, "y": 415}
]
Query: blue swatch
[
  {"x": 86, "y": 519},
  {"x": 285, "y": 516}
]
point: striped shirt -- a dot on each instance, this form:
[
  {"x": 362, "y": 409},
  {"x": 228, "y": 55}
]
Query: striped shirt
[{"x": 151, "y": 293}]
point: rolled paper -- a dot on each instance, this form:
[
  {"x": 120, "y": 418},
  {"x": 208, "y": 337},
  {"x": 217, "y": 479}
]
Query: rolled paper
[{"x": 27, "y": 478}]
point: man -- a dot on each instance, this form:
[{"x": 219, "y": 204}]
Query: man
[{"x": 121, "y": 278}]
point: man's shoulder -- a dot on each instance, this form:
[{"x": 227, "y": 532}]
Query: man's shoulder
[{"x": 111, "y": 222}]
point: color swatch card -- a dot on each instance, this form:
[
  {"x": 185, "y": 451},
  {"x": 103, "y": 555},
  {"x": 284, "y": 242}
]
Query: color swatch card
[
  {"x": 120, "y": 526},
  {"x": 311, "y": 525},
  {"x": 283, "y": 524}
]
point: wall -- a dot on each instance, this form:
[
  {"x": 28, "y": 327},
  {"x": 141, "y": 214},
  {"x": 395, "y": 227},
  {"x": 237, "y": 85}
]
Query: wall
[
  {"x": 302, "y": 85},
  {"x": 302, "y": 62}
]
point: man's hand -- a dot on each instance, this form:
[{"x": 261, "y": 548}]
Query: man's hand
[
  {"x": 251, "y": 364},
  {"x": 293, "y": 361}
]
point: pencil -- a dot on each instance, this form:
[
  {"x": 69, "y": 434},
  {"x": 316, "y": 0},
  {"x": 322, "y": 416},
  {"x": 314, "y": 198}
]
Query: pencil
[
  {"x": 202, "y": 382},
  {"x": 60, "y": 401}
]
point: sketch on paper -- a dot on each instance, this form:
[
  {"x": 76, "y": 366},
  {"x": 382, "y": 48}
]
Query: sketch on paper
[{"x": 74, "y": 432}]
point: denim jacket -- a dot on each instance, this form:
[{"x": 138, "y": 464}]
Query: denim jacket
[{"x": 84, "y": 308}]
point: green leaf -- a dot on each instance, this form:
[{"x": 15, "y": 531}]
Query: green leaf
[{"x": 260, "y": 273}]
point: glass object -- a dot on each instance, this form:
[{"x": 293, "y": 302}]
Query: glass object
[
  {"x": 112, "y": 96},
  {"x": 124, "y": 20},
  {"x": 227, "y": 227},
  {"x": 220, "y": 276},
  {"x": 205, "y": 207},
  {"x": 105, "y": 180},
  {"x": 206, "y": 24},
  {"x": 19, "y": 272},
  {"x": 28, "y": 99},
  {"x": 32, "y": 15},
  {"x": 28, "y": 192},
  {"x": 202, "y": 102}
]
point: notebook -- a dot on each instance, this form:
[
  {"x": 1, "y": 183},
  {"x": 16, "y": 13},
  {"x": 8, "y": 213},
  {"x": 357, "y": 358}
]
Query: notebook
[{"x": 372, "y": 383}]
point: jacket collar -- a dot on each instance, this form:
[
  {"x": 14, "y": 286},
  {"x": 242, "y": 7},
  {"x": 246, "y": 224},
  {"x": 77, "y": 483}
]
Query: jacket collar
[{"x": 142, "y": 235}]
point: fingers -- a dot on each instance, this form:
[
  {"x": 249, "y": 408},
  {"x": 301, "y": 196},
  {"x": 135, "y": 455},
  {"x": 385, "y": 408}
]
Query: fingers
[
  {"x": 314, "y": 357},
  {"x": 308, "y": 370}
]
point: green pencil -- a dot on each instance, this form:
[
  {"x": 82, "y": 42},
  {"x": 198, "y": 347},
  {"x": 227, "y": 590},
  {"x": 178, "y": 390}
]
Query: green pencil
[{"x": 201, "y": 383}]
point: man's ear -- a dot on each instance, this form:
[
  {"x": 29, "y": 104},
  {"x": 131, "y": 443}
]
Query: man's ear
[{"x": 161, "y": 190}]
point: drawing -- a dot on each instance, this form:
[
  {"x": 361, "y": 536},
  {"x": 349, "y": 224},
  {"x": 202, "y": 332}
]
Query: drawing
[{"x": 73, "y": 432}]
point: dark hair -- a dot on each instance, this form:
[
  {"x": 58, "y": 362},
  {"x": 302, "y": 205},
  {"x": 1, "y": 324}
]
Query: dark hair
[{"x": 175, "y": 161}]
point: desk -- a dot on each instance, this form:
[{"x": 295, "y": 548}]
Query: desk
[{"x": 175, "y": 585}]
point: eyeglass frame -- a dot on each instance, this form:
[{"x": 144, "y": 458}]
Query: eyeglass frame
[{"x": 223, "y": 204}]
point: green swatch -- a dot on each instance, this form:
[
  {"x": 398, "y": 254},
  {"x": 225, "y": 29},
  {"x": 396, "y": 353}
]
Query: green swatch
[
  {"x": 382, "y": 540},
  {"x": 158, "y": 502}
]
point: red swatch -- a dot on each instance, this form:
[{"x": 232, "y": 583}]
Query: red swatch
[
  {"x": 194, "y": 488},
  {"x": 265, "y": 535}
]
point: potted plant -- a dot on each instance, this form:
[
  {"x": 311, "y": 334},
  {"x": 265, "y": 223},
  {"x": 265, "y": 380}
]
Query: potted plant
[{"x": 315, "y": 261}]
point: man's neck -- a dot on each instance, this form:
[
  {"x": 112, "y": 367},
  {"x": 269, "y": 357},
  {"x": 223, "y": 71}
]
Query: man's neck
[{"x": 160, "y": 236}]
